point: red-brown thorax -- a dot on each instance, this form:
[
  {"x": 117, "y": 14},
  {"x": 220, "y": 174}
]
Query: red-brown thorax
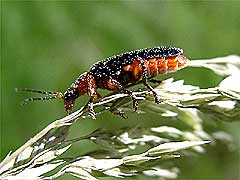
[
  {"x": 84, "y": 84},
  {"x": 87, "y": 85}
]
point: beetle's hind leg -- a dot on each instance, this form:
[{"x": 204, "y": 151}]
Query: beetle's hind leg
[
  {"x": 134, "y": 98},
  {"x": 148, "y": 86},
  {"x": 114, "y": 84}
]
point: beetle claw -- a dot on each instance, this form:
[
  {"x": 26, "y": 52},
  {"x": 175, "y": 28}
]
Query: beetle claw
[
  {"x": 120, "y": 113},
  {"x": 91, "y": 111}
]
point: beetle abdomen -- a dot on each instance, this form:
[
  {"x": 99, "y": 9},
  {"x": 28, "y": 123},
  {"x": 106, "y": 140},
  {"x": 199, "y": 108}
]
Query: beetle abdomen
[
  {"x": 156, "y": 66},
  {"x": 114, "y": 65}
]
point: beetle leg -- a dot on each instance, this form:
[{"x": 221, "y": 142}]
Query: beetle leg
[
  {"x": 116, "y": 85},
  {"x": 150, "y": 88},
  {"x": 91, "y": 110},
  {"x": 144, "y": 78},
  {"x": 134, "y": 98},
  {"x": 120, "y": 113},
  {"x": 92, "y": 93}
]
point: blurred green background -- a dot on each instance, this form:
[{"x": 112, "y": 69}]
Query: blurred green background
[{"x": 46, "y": 45}]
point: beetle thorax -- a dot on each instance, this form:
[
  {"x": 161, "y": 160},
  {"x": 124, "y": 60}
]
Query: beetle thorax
[{"x": 77, "y": 88}]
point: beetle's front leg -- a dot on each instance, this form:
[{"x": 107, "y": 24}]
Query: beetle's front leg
[
  {"x": 92, "y": 93},
  {"x": 91, "y": 110}
]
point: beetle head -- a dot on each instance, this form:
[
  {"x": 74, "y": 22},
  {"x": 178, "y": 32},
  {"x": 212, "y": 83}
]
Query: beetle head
[{"x": 69, "y": 98}]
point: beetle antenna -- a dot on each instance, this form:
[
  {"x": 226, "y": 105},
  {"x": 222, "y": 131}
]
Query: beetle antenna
[
  {"x": 25, "y": 101},
  {"x": 52, "y": 95},
  {"x": 36, "y": 91}
]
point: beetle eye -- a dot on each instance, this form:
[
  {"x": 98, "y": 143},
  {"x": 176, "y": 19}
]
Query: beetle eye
[{"x": 70, "y": 94}]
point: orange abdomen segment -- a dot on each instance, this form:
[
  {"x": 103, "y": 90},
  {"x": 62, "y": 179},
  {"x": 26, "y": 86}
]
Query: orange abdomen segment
[
  {"x": 135, "y": 68},
  {"x": 156, "y": 66}
]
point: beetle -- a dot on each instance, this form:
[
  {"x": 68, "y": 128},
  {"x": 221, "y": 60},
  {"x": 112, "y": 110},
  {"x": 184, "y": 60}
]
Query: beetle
[{"x": 115, "y": 72}]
